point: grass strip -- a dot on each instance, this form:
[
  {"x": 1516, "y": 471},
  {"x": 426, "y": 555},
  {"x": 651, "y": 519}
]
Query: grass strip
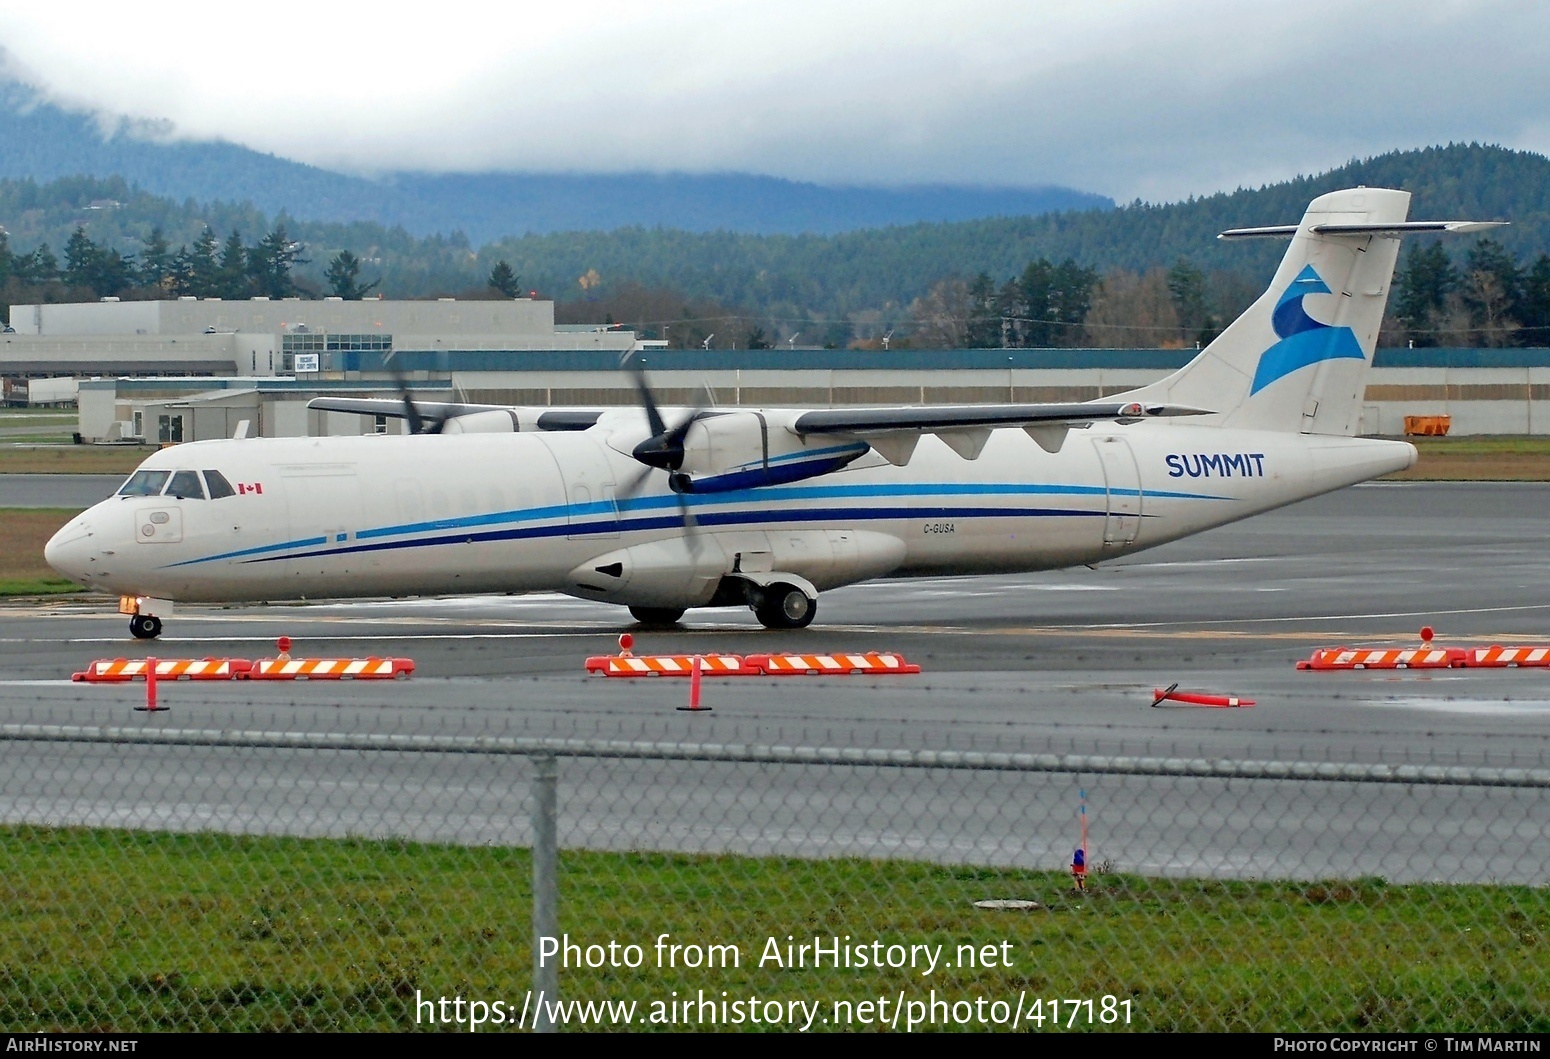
[
  {"x": 16, "y": 458},
  {"x": 23, "y": 533},
  {"x": 134, "y": 931},
  {"x": 37, "y": 586}
]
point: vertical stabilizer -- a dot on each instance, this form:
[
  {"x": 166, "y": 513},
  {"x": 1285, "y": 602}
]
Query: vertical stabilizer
[{"x": 1297, "y": 359}]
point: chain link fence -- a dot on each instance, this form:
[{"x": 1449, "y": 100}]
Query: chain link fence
[{"x": 163, "y": 878}]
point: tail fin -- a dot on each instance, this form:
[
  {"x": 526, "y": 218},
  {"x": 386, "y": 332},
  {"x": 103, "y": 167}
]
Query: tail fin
[{"x": 1297, "y": 359}]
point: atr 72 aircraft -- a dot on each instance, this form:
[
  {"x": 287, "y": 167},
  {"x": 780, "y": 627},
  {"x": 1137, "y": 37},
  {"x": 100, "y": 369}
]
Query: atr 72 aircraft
[{"x": 661, "y": 510}]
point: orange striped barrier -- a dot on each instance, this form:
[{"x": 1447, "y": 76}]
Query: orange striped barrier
[
  {"x": 123, "y": 670},
  {"x": 1385, "y": 658},
  {"x": 1507, "y": 657},
  {"x": 873, "y": 663},
  {"x": 669, "y": 666},
  {"x": 329, "y": 669}
]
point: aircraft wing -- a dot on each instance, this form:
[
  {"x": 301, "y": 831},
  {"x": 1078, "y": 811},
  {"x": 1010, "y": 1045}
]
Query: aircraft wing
[
  {"x": 965, "y": 428},
  {"x": 465, "y": 414},
  {"x": 393, "y": 407}
]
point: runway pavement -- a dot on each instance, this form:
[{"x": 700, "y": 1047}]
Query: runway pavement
[{"x": 1062, "y": 661}]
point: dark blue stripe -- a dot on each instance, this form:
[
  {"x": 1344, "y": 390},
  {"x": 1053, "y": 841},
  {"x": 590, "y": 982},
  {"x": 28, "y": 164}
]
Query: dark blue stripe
[
  {"x": 726, "y": 518},
  {"x": 765, "y": 496}
]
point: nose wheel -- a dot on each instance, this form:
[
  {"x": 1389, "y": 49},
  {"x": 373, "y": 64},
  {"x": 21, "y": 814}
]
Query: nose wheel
[{"x": 145, "y": 626}]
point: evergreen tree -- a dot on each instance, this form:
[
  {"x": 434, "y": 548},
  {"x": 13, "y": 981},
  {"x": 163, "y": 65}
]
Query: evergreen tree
[
  {"x": 38, "y": 267},
  {"x": 342, "y": 273},
  {"x": 82, "y": 260},
  {"x": 7, "y": 262},
  {"x": 269, "y": 263},
  {"x": 1424, "y": 283},
  {"x": 1070, "y": 300},
  {"x": 503, "y": 279},
  {"x": 1187, "y": 287},
  {"x": 1535, "y": 308},
  {"x": 201, "y": 271},
  {"x": 756, "y": 338},
  {"x": 231, "y": 271},
  {"x": 156, "y": 263},
  {"x": 984, "y": 327},
  {"x": 115, "y": 272},
  {"x": 1012, "y": 310},
  {"x": 1037, "y": 284}
]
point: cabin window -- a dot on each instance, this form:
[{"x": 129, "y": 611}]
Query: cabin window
[
  {"x": 185, "y": 485},
  {"x": 219, "y": 486},
  {"x": 145, "y": 483}
]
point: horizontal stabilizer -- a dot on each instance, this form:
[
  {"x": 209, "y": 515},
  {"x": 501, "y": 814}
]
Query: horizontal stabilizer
[{"x": 1286, "y": 231}]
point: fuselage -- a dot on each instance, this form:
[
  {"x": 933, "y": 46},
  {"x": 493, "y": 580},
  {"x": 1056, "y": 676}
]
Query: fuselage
[{"x": 396, "y": 515}]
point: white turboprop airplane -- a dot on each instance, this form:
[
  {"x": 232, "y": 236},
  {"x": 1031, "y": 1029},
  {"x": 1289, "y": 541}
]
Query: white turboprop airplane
[{"x": 767, "y": 507}]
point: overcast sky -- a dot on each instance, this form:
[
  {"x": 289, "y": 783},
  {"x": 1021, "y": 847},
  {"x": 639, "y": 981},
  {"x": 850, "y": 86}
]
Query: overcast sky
[{"x": 1157, "y": 99}]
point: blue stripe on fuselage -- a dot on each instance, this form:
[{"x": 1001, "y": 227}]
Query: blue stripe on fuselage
[
  {"x": 577, "y": 515},
  {"x": 725, "y": 518}
]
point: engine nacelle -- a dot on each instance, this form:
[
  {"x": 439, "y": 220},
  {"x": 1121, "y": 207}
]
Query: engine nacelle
[
  {"x": 492, "y": 422},
  {"x": 667, "y": 573},
  {"x": 743, "y": 450}
]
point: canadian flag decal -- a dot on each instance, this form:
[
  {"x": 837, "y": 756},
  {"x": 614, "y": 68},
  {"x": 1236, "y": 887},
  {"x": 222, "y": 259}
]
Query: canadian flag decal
[{"x": 253, "y": 487}]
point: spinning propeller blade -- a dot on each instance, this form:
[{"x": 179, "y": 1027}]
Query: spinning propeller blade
[
  {"x": 418, "y": 423},
  {"x": 664, "y": 449}
]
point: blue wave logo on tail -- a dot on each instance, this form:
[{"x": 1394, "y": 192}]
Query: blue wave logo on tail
[{"x": 1304, "y": 340}]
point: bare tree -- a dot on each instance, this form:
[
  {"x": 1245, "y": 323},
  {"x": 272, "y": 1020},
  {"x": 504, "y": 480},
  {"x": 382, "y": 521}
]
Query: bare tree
[
  {"x": 1488, "y": 296},
  {"x": 1133, "y": 311},
  {"x": 942, "y": 316}
]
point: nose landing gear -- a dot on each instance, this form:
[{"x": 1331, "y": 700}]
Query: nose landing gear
[{"x": 145, "y": 626}]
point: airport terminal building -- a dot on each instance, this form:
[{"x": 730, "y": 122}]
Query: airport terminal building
[{"x": 191, "y": 369}]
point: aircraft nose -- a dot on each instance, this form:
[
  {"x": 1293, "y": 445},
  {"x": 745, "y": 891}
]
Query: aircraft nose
[{"x": 69, "y": 550}]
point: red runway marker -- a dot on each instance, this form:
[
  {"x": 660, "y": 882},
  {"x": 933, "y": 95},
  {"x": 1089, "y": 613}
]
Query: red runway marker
[{"x": 1197, "y": 698}]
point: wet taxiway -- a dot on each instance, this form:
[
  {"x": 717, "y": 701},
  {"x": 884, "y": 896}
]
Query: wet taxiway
[{"x": 1061, "y": 661}]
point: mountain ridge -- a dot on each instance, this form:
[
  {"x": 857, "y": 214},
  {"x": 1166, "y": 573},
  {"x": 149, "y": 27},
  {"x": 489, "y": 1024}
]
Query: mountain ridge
[
  {"x": 43, "y": 142},
  {"x": 871, "y": 274}
]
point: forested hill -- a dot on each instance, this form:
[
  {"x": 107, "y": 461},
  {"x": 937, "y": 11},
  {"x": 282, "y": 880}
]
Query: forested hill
[
  {"x": 870, "y": 268},
  {"x": 827, "y": 277},
  {"x": 43, "y": 142}
]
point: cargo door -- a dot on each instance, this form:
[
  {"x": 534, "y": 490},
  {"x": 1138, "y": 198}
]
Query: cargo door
[
  {"x": 591, "y": 511},
  {"x": 1122, "y": 480},
  {"x": 323, "y": 504}
]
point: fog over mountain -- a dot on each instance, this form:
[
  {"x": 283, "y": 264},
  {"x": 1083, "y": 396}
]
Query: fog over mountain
[{"x": 42, "y": 141}]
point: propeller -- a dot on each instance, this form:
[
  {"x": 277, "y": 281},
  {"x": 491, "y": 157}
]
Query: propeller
[
  {"x": 418, "y": 422},
  {"x": 664, "y": 449}
]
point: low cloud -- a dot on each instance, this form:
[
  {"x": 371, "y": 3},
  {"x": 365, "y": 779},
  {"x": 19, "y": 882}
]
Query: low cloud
[{"x": 1160, "y": 100}]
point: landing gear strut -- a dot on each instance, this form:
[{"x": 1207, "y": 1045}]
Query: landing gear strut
[
  {"x": 784, "y": 606},
  {"x": 145, "y": 626},
  {"x": 657, "y": 617}
]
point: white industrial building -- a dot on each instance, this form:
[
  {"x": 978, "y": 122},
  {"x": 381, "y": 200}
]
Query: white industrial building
[
  {"x": 208, "y": 336},
  {"x": 191, "y": 369}
]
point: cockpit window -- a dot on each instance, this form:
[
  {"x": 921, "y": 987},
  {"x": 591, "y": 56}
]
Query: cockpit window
[
  {"x": 219, "y": 486},
  {"x": 185, "y": 485},
  {"x": 144, "y": 483}
]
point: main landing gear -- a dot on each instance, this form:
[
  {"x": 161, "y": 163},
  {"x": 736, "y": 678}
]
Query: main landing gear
[
  {"x": 779, "y": 601},
  {"x": 784, "y": 606},
  {"x": 145, "y": 626},
  {"x": 657, "y": 617}
]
